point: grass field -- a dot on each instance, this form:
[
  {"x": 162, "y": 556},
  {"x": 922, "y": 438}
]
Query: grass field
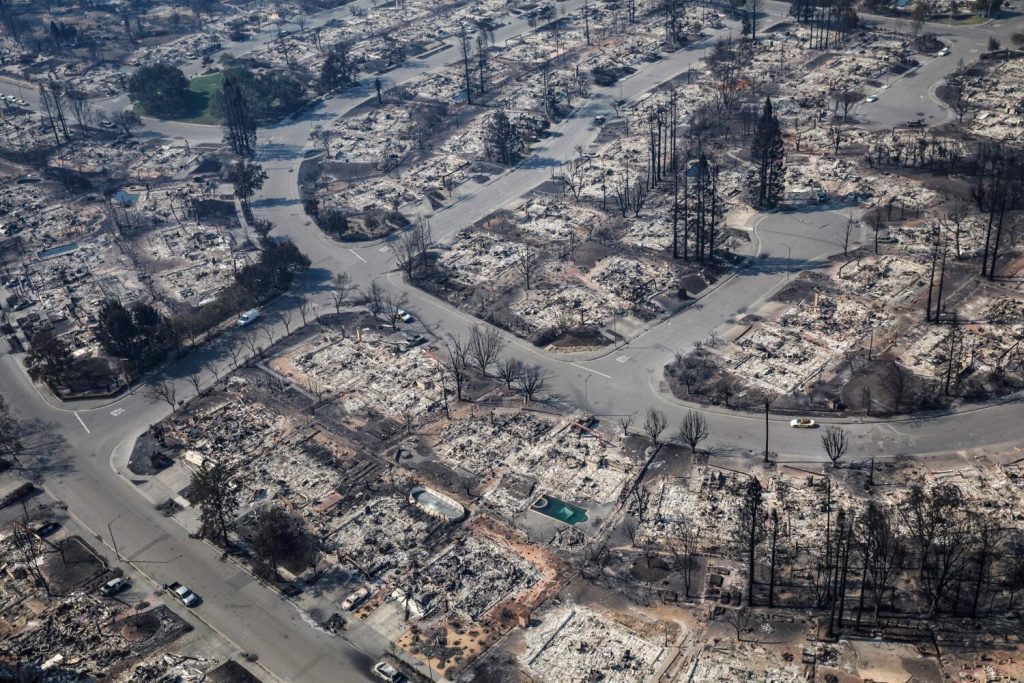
[
  {"x": 201, "y": 90},
  {"x": 969, "y": 21}
]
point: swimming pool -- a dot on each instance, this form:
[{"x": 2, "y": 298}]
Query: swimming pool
[{"x": 559, "y": 509}]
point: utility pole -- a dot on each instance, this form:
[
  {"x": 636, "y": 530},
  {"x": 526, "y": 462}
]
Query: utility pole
[
  {"x": 766, "y": 406},
  {"x": 586, "y": 21},
  {"x": 110, "y": 528}
]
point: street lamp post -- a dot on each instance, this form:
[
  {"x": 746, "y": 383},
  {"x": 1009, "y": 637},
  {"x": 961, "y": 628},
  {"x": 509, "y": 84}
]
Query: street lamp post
[{"x": 789, "y": 259}]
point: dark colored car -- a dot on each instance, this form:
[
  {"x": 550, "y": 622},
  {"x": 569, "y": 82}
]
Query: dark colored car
[{"x": 48, "y": 528}]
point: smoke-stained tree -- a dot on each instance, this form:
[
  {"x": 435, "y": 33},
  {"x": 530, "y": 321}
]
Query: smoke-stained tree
[
  {"x": 750, "y": 529},
  {"x": 11, "y": 445},
  {"x": 768, "y": 154}
]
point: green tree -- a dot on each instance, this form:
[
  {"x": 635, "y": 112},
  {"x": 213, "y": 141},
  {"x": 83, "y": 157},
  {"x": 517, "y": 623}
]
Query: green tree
[
  {"x": 138, "y": 333},
  {"x": 504, "y": 142},
  {"x": 278, "y": 264},
  {"x": 217, "y": 497},
  {"x": 47, "y": 356},
  {"x": 768, "y": 154},
  {"x": 247, "y": 178},
  {"x": 277, "y": 538},
  {"x": 269, "y": 96},
  {"x": 160, "y": 89},
  {"x": 338, "y": 71}
]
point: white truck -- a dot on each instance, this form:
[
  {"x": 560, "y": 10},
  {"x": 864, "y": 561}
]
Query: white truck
[
  {"x": 355, "y": 599},
  {"x": 183, "y": 593},
  {"x": 248, "y": 317},
  {"x": 115, "y": 586},
  {"x": 387, "y": 672}
]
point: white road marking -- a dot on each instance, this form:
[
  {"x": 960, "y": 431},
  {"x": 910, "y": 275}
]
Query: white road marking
[
  {"x": 384, "y": 248},
  {"x": 116, "y": 411},
  {"x": 622, "y": 359},
  {"x": 82, "y": 423},
  {"x": 593, "y": 371},
  {"x": 357, "y": 255}
]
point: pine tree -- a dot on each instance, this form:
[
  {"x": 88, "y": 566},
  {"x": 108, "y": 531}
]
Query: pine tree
[
  {"x": 503, "y": 140},
  {"x": 217, "y": 497},
  {"x": 750, "y": 531},
  {"x": 338, "y": 71},
  {"x": 768, "y": 153}
]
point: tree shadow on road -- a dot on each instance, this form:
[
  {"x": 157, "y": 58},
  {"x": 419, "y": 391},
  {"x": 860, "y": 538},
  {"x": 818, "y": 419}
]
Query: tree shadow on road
[
  {"x": 540, "y": 162},
  {"x": 274, "y": 201},
  {"x": 46, "y": 452},
  {"x": 278, "y": 152},
  {"x": 330, "y": 581},
  {"x": 770, "y": 264}
]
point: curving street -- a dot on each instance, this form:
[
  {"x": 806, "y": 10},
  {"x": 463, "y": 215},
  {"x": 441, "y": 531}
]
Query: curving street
[{"x": 89, "y": 442}]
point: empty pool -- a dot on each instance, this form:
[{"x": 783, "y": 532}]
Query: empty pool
[{"x": 57, "y": 251}]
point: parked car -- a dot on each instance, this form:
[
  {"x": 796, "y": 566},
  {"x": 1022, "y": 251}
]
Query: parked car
[
  {"x": 386, "y": 672},
  {"x": 183, "y": 593},
  {"x": 115, "y": 586},
  {"x": 415, "y": 340},
  {"x": 47, "y": 529},
  {"x": 355, "y": 599},
  {"x": 871, "y": 98},
  {"x": 405, "y": 316},
  {"x": 803, "y": 423}
]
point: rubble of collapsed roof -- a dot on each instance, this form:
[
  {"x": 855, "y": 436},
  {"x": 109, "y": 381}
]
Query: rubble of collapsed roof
[
  {"x": 644, "y": 569},
  {"x": 151, "y": 239},
  {"x": 56, "y": 622},
  {"x": 576, "y": 643},
  {"x": 560, "y": 456}
]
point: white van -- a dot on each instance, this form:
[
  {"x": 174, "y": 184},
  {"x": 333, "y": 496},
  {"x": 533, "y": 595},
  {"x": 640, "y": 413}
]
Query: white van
[{"x": 248, "y": 317}]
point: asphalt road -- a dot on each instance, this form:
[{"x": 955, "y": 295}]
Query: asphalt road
[{"x": 79, "y": 448}]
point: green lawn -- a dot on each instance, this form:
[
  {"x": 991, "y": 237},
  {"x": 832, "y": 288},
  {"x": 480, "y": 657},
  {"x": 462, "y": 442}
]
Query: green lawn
[
  {"x": 969, "y": 21},
  {"x": 201, "y": 89}
]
